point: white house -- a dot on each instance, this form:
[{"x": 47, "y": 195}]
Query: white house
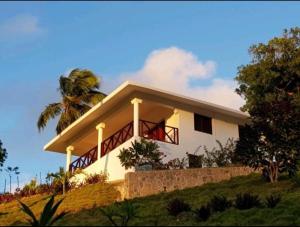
[{"x": 179, "y": 124}]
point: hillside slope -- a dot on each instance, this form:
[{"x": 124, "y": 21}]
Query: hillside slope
[{"x": 152, "y": 209}]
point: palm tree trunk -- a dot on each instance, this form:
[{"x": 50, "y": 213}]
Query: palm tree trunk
[
  {"x": 10, "y": 184},
  {"x": 4, "y": 186},
  {"x": 18, "y": 181}
]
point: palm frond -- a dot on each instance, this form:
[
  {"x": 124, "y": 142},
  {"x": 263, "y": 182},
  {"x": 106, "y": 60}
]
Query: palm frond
[
  {"x": 92, "y": 98},
  {"x": 51, "y": 111}
]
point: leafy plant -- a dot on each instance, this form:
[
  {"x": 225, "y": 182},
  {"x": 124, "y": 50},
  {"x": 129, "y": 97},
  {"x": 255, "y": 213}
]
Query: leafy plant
[
  {"x": 204, "y": 212},
  {"x": 272, "y": 200},
  {"x": 222, "y": 156},
  {"x": 177, "y": 206},
  {"x": 96, "y": 178},
  {"x": 177, "y": 163},
  {"x": 140, "y": 153},
  {"x": 47, "y": 217},
  {"x": 219, "y": 203},
  {"x": 247, "y": 201},
  {"x": 120, "y": 213},
  {"x": 195, "y": 161},
  {"x": 5, "y": 198}
]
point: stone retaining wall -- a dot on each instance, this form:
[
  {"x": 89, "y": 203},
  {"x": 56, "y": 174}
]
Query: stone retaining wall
[{"x": 144, "y": 183}]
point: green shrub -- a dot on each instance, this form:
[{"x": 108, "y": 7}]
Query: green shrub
[
  {"x": 141, "y": 153},
  {"x": 195, "y": 161},
  {"x": 96, "y": 178},
  {"x": 120, "y": 213},
  {"x": 177, "y": 206},
  {"x": 220, "y": 203},
  {"x": 204, "y": 212},
  {"x": 272, "y": 200},
  {"x": 247, "y": 201}
]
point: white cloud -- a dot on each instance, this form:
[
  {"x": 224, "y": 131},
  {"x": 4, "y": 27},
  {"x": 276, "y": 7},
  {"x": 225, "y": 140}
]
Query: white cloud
[
  {"x": 173, "y": 69},
  {"x": 20, "y": 26}
]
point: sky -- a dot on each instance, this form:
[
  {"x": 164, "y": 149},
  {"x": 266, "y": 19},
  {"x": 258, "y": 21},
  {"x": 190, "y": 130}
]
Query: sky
[{"x": 193, "y": 48}]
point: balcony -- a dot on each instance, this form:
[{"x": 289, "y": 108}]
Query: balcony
[{"x": 147, "y": 130}]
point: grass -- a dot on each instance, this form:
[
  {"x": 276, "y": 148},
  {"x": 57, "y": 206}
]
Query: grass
[{"x": 84, "y": 205}]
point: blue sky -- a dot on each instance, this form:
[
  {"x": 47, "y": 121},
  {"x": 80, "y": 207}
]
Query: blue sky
[{"x": 147, "y": 41}]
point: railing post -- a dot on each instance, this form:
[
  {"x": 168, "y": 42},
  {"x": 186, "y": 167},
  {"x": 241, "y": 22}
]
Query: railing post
[
  {"x": 136, "y": 103},
  {"x": 69, "y": 151},
  {"x": 100, "y": 128}
]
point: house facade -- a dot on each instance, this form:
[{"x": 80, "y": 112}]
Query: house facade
[{"x": 177, "y": 123}]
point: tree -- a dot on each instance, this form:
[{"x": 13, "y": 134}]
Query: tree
[
  {"x": 270, "y": 84},
  {"x": 79, "y": 92},
  {"x": 3, "y": 154},
  {"x": 61, "y": 177},
  {"x": 10, "y": 171}
]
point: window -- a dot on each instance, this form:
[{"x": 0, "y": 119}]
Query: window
[{"x": 202, "y": 123}]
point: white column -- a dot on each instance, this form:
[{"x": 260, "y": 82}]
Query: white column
[
  {"x": 69, "y": 151},
  {"x": 136, "y": 114},
  {"x": 100, "y": 128}
]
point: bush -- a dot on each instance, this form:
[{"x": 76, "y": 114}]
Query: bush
[
  {"x": 219, "y": 203},
  {"x": 177, "y": 163},
  {"x": 195, "y": 161},
  {"x": 204, "y": 212},
  {"x": 96, "y": 178},
  {"x": 247, "y": 201},
  {"x": 141, "y": 153},
  {"x": 120, "y": 213},
  {"x": 176, "y": 206},
  {"x": 5, "y": 198},
  {"x": 222, "y": 156},
  {"x": 272, "y": 200}
]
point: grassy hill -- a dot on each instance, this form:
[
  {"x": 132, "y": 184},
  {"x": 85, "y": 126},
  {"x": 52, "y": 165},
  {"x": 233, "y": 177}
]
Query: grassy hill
[{"x": 84, "y": 203}]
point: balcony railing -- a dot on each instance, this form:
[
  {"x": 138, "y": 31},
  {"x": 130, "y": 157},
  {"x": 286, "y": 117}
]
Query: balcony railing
[
  {"x": 85, "y": 160},
  {"x": 117, "y": 139},
  {"x": 147, "y": 129},
  {"x": 158, "y": 131}
]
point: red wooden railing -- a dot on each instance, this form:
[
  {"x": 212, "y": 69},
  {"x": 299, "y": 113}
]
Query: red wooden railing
[
  {"x": 147, "y": 129},
  {"x": 117, "y": 139},
  {"x": 158, "y": 131},
  {"x": 85, "y": 160}
]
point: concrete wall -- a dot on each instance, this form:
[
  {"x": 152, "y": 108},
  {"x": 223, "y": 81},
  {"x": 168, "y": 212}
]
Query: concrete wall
[{"x": 144, "y": 183}]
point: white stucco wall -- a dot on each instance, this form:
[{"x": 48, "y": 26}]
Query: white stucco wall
[
  {"x": 190, "y": 141},
  {"x": 109, "y": 164}
]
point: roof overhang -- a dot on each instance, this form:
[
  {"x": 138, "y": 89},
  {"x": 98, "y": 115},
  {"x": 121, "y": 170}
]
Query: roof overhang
[{"x": 60, "y": 142}]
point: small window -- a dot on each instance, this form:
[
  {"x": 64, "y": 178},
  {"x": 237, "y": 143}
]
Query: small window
[{"x": 202, "y": 123}]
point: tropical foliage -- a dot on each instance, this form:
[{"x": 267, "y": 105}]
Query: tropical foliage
[
  {"x": 79, "y": 92},
  {"x": 3, "y": 154},
  {"x": 140, "y": 153},
  {"x": 221, "y": 156},
  {"x": 270, "y": 84},
  {"x": 47, "y": 217}
]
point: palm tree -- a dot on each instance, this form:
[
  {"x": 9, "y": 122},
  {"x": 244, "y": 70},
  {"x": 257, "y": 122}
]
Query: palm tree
[
  {"x": 10, "y": 171},
  {"x": 79, "y": 92}
]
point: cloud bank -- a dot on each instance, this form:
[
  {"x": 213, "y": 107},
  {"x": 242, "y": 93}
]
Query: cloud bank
[
  {"x": 20, "y": 26},
  {"x": 180, "y": 71}
]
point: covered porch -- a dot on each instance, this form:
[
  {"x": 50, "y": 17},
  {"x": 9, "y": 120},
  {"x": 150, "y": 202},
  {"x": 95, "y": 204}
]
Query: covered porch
[{"x": 132, "y": 119}]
